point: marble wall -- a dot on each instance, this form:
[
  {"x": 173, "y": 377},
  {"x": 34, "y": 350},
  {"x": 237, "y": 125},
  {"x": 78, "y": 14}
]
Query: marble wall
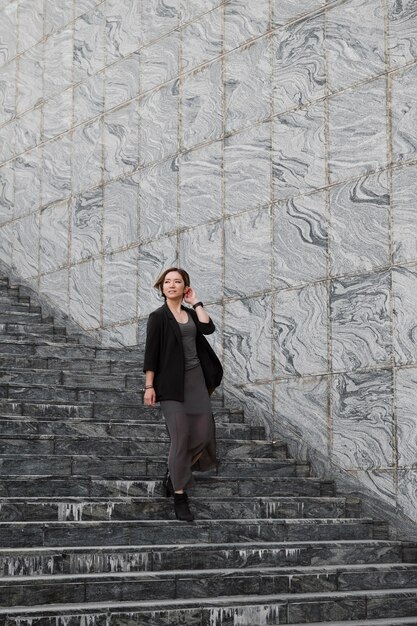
[{"x": 270, "y": 148}]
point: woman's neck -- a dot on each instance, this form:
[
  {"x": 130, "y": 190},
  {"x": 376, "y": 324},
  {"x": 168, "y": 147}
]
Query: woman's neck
[{"x": 174, "y": 305}]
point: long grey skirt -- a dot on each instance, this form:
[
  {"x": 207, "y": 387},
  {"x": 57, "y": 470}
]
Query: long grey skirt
[{"x": 191, "y": 430}]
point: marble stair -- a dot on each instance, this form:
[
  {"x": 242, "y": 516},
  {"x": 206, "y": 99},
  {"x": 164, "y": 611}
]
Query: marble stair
[{"x": 87, "y": 538}]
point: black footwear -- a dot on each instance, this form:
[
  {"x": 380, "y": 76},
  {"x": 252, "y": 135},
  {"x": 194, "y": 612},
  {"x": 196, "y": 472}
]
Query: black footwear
[
  {"x": 182, "y": 510},
  {"x": 167, "y": 484}
]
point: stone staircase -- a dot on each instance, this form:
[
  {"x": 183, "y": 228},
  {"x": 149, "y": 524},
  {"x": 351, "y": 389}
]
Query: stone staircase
[{"x": 86, "y": 538}]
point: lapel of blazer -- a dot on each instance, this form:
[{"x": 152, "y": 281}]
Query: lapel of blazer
[{"x": 173, "y": 323}]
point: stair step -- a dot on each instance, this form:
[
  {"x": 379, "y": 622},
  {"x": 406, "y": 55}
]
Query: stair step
[
  {"x": 23, "y": 318},
  {"x": 56, "y": 509},
  {"x": 134, "y": 558}
]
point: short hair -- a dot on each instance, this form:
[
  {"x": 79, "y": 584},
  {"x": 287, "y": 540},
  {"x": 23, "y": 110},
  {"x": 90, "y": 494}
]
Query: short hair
[{"x": 160, "y": 282}]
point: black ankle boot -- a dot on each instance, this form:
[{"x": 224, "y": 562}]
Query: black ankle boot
[
  {"x": 182, "y": 510},
  {"x": 167, "y": 484}
]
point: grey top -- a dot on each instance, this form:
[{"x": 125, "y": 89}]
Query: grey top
[{"x": 188, "y": 334}]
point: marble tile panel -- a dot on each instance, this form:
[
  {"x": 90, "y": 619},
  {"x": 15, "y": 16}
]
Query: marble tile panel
[
  {"x": 30, "y": 79},
  {"x": 57, "y": 15},
  {"x": 58, "y": 114},
  {"x": 298, "y": 63},
  {"x": 379, "y": 483},
  {"x": 7, "y": 142},
  {"x": 300, "y": 331},
  {"x": 158, "y": 119},
  {"x": 28, "y": 130},
  {"x": 301, "y": 415},
  {"x": 404, "y": 214},
  {"x": 247, "y": 168},
  {"x": 89, "y": 44},
  {"x": 360, "y": 321},
  {"x": 153, "y": 258},
  {"x": 244, "y": 20},
  {"x": 200, "y": 253},
  {"x": 407, "y": 493},
  {"x": 190, "y": 10},
  {"x": 89, "y": 98},
  {"x": 159, "y": 61},
  {"x": 120, "y": 336},
  {"x": 202, "y": 93},
  {"x": 6, "y": 193},
  {"x": 8, "y": 79},
  {"x": 55, "y": 287},
  {"x": 87, "y": 156},
  {"x": 122, "y": 81},
  {"x": 85, "y": 293},
  {"x": 158, "y": 199},
  {"x": 355, "y": 42},
  {"x": 404, "y": 114},
  {"x": 298, "y": 157},
  {"x": 358, "y": 131},
  {"x": 123, "y": 28},
  {"x": 404, "y": 287},
  {"x": 54, "y": 236},
  {"x": 6, "y": 240},
  {"x": 26, "y": 245},
  {"x": 402, "y": 24},
  {"x": 86, "y": 231},
  {"x": 247, "y": 253},
  {"x": 28, "y": 176},
  {"x": 30, "y": 23},
  {"x": 158, "y": 18},
  {"x": 300, "y": 240},
  {"x": 284, "y": 11},
  {"x": 120, "y": 136},
  {"x": 8, "y": 32},
  {"x": 362, "y": 420},
  {"x": 248, "y": 340},
  {"x": 202, "y": 39},
  {"x": 248, "y": 80},
  {"x": 405, "y": 408},
  {"x": 82, "y": 6},
  {"x": 201, "y": 184},
  {"x": 120, "y": 279},
  {"x": 359, "y": 225},
  {"x": 120, "y": 213},
  {"x": 256, "y": 399},
  {"x": 58, "y": 56}
]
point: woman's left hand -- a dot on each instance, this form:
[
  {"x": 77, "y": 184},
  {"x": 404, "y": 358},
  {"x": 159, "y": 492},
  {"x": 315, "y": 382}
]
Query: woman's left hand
[{"x": 190, "y": 296}]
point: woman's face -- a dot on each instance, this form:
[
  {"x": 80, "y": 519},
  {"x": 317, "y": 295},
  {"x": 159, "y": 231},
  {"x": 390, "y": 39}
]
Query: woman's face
[{"x": 173, "y": 286}]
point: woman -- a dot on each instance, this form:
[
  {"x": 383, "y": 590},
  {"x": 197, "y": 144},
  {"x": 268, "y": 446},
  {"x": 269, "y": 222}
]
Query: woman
[{"x": 181, "y": 371}]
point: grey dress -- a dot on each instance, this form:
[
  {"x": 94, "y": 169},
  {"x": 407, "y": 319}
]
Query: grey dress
[{"x": 189, "y": 423}]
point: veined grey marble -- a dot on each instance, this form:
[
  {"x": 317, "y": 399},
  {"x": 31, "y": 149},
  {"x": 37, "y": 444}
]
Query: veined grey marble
[
  {"x": 190, "y": 10},
  {"x": 199, "y": 251},
  {"x": 200, "y": 184},
  {"x": 120, "y": 137},
  {"x": 362, "y": 420},
  {"x": 202, "y": 94},
  {"x": 54, "y": 236},
  {"x": 58, "y": 62},
  {"x": 247, "y": 167},
  {"x": 123, "y": 28},
  {"x": 300, "y": 240},
  {"x": 358, "y": 131},
  {"x": 301, "y": 331},
  {"x": 159, "y": 61},
  {"x": 407, "y": 493},
  {"x": 153, "y": 258},
  {"x": 405, "y": 408},
  {"x": 89, "y": 98},
  {"x": 355, "y": 42},
  {"x": 30, "y": 79},
  {"x": 158, "y": 123},
  {"x": 8, "y": 36},
  {"x": 158, "y": 17},
  {"x": 298, "y": 159},
  {"x": 86, "y": 231},
  {"x": 404, "y": 214},
  {"x": 8, "y": 79},
  {"x": 30, "y": 23},
  {"x": 121, "y": 335},
  {"x": 284, "y": 11},
  {"x": 7, "y": 191},
  {"x": 404, "y": 116},
  {"x": 58, "y": 114},
  {"x": 299, "y": 71},
  {"x": 7, "y": 142},
  {"x": 6, "y": 241},
  {"x": 89, "y": 44},
  {"x": 404, "y": 286},
  {"x": 28, "y": 130},
  {"x": 247, "y": 260},
  {"x": 402, "y": 15},
  {"x": 85, "y": 293},
  {"x": 55, "y": 287},
  {"x": 122, "y": 81},
  {"x": 248, "y": 340},
  {"x": 120, "y": 222},
  {"x": 26, "y": 245},
  {"x": 359, "y": 225},
  {"x": 202, "y": 39},
  {"x": 57, "y": 15},
  {"x": 248, "y": 79},
  {"x": 56, "y": 170},
  {"x": 87, "y": 162},
  {"x": 158, "y": 200},
  {"x": 245, "y": 20},
  {"x": 120, "y": 276},
  {"x": 28, "y": 177},
  {"x": 360, "y": 321}
]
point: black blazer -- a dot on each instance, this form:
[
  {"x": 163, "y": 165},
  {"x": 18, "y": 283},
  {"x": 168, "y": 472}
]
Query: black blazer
[{"x": 164, "y": 354}]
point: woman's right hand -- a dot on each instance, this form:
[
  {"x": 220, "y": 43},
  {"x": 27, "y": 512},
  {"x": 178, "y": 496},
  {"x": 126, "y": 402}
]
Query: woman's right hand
[{"x": 150, "y": 397}]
